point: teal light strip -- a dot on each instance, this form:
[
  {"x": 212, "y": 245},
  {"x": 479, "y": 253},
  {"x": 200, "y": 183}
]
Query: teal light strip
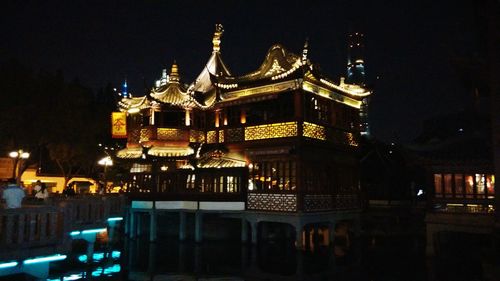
[
  {"x": 57, "y": 257},
  {"x": 8, "y": 264},
  {"x": 97, "y": 230}
]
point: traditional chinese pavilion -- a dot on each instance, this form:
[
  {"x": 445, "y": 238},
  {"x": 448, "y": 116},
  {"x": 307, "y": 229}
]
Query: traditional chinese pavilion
[{"x": 275, "y": 145}]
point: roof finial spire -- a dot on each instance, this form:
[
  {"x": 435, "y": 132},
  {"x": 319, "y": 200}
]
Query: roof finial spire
[
  {"x": 174, "y": 73},
  {"x": 305, "y": 50},
  {"x": 217, "y": 35}
]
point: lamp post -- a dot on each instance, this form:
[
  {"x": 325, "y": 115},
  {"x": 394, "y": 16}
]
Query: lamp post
[
  {"x": 106, "y": 161},
  {"x": 18, "y": 157}
]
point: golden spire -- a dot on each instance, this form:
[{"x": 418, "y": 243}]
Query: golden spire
[
  {"x": 217, "y": 35},
  {"x": 174, "y": 73}
]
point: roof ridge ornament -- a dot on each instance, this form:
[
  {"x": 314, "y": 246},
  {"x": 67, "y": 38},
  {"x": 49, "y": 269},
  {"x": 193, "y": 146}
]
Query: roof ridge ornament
[
  {"x": 217, "y": 35},
  {"x": 305, "y": 50},
  {"x": 174, "y": 73}
]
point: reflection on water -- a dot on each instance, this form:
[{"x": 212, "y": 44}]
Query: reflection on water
[
  {"x": 168, "y": 259},
  {"x": 367, "y": 258}
]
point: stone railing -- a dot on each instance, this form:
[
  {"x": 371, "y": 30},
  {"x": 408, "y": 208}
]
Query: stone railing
[{"x": 41, "y": 229}]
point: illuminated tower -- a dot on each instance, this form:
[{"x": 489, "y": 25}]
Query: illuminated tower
[
  {"x": 356, "y": 75},
  {"x": 124, "y": 93},
  {"x": 355, "y": 60}
]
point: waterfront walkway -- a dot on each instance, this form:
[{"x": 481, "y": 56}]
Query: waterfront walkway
[{"x": 36, "y": 234}]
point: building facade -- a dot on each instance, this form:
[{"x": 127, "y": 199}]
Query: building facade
[{"x": 276, "y": 143}]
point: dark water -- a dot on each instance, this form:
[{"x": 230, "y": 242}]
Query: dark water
[
  {"x": 395, "y": 258},
  {"x": 398, "y": 258}
]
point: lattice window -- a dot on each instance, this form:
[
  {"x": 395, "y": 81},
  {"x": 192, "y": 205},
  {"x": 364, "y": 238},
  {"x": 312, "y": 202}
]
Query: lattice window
[
  {"x": 221, "y": 136},
  {"x": 271, "y": 131},
  {"x": 314, "y": 131},
  {"x": 318, "y": 202},
  {"x": 235, "y": 135},
  {"x": 196, "y": 136},
  {"x": 272, "y": 202},
  {"x": 135, "y": 136},
  {"x": 171, "y": 134},
  {"x": 211, "y": 137},
  {"x": 147, "y": 134}
]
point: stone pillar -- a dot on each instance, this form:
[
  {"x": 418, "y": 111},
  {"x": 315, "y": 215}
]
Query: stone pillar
[
  {"x": 138, "y": 224},
  {"x": 255, "y": 230},
  {"x": 198, "y": 227},
  {"x": 244, "y": 230},
  {"x": 356, "y": 226},
  {"x": 299, "y": 271},
  {"x": 331, "y": 233},
  {"x": 132, "y": 225},
  {"x": 307, "y": 237},
  {"x": 182, "y": 258},
  {"x": 152, "y": 226},
  {"x": 90, "y": 251},
  {"x": 299, "y": 242},
  {"x": 126, "y": 229},
  {"x": 152, "y": 259},
  {"x": 429, "y": 246},
  {"x": 315, "y": 236},
  {"x": 197, "y": 258},
  {"x": 182, "y": 226}
]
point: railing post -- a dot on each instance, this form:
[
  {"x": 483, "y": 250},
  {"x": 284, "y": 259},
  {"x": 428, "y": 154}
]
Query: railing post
[
  {"x": 32, "y": 227},
  {"x": 20, "y": 228},
  {"x": 9, "y": 229}
]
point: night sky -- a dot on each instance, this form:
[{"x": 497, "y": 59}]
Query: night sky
[{"x": 409, "y": 46}]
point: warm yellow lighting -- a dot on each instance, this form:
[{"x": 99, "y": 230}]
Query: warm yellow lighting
[
  {"x": 217, "y": 35},
  {"x": 133, "y": 110},
  {"x": 19, "y": 154},
  {"x": 106, "y": 161},
  {"x": 243, "y": 118},
  {"x": 314, "y": 131},
  {"x": 221, "y": 136},
  {"x": 196, "y": 136},
  {"x": 273, "y": 88},
  {"x": 211, "y": 137},
  {"x": 164, "y": 168},
  {"x": 351, "y": 89},
  {"x": 188, "y": 118},
  {"x": 350, "y": 140},
  {"x": 307, "y": 86},
  {"x": 217, "y": 118},
  {"x": 171, "y": 134},
  {"x": 271, "y": 131}
]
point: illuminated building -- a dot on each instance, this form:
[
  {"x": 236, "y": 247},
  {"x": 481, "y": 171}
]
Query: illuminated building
[
  {"x": 281, "y": 140},
  {"x": 356, "y": 77},
  {"x": 456, "y": 152}
]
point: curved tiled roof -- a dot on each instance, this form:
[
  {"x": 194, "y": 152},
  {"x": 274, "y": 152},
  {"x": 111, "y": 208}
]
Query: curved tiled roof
[{"x": 173, "y": 92}]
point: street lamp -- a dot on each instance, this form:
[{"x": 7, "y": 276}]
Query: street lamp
[
  {"x": 106, "y": 161},
  {"x": 18, "y": 156}
]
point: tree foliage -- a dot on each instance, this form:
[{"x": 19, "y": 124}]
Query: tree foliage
[{"x": 44, "y": 112}]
